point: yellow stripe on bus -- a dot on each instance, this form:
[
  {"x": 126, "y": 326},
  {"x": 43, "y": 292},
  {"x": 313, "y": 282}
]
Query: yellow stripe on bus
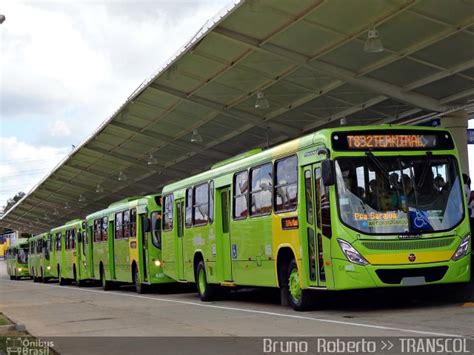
[{"x": 404, "y": 258}]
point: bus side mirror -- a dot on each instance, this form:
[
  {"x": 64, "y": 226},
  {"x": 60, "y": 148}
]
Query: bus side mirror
[
  {"x": 327, "y": 172},
  {"x": 146, "y": 224}
]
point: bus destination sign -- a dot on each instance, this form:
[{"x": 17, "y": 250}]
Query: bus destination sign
[
  {"x": 387, "y": 141},
  {"x": 392, "y": 140}
]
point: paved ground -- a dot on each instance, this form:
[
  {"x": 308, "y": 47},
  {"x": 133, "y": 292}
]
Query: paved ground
[{"x": 50, "y": 310}]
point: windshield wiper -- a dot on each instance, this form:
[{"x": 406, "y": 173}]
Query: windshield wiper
[
  {"x": 378, "y": 164},
  {"x": 423, "y": 175}
]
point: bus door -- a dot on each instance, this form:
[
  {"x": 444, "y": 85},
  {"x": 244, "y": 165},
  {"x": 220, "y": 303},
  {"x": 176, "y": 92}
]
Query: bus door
[
  {"x": 179, "y": 238},
  {"x": 144, "y": 249},
  {"x": 90, "y": 248},
  {"x": 224, "y": 257},
  {"x": 315, "y": 260}
]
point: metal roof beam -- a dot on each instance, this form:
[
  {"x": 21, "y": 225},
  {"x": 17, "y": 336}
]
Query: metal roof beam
[
  {"x": 180, "y": 144},
  {"x": 230, "y": 112},
  {"x": 340, "y": 73},
  {"x": 438, "y": 76},
  {"x": 137, "y": 162}
]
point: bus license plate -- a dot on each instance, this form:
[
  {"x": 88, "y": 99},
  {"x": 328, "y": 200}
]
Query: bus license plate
[{"x": 413, "y": 281}]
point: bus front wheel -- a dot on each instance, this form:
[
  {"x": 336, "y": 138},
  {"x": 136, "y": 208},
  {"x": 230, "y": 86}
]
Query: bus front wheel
[
  {"x": 206, "y": 291},
  {"x": 299, "y": 299},
  {"x": 139, "y": 286}
]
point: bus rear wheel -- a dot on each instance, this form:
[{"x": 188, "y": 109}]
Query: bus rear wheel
[
  {"x": 43, "y": 278},
  {"x": 206, "y": 291},
  {"x": 106, "y": 285},
  {"x": 35, "y": 278},
  {"x": 299, "y": 298},
  {"x": 62, "y": 280}
]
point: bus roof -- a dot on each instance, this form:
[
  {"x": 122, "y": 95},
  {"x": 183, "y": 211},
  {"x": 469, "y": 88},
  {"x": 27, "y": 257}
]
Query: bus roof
[
  {"x": 19, "y": 243},
  {"x": 127, "y": 203}
]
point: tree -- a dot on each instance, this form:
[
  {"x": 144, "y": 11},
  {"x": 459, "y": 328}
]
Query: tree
[{"x": 13, "y": 200}]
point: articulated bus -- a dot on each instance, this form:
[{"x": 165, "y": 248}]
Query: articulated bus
[
  {"x": 338, "y": 209},
  {"x": 124, "y": 243},
  {"x": 39, "y": 260},
  {"x": 17, "y": 259},
  {"x": 67, "y": 257}
]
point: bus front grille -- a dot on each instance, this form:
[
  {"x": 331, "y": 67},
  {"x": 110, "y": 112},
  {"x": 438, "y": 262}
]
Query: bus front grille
[
  {"x": 395, "y": 276},
  {"x": 407, "y": 244}
]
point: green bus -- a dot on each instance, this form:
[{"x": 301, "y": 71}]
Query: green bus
[
  {"x": 338, "y": 209},
  {"x": 123, "y": 243},
  {"x": 68, "y": 258},
  {"x": 17, "y": 259},
  {"x": 39, "y": 257}
]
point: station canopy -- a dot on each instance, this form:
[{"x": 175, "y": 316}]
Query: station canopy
[{"x": 308, "y": 60}]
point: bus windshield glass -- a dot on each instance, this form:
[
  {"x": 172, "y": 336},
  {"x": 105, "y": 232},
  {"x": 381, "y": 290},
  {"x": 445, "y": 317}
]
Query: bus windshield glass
[
  {"x": 23, "y": 255},
  {"x": 399, "y": 195}
]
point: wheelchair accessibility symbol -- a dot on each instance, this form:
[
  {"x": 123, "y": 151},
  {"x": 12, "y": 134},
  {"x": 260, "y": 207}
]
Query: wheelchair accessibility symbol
[{"x": 419, "y": 221}]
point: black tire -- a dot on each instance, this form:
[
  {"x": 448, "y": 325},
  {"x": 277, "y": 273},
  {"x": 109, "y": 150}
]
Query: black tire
[
  {"x": 139, "y": 286},
  {"x": 43, "y": 278},
  {"x": 299, "y": 299},
  {"x": 35, "y": 278},
  {"x": 12, "y": 277},
  {"x": 79, "y": 283},
  {"x": 207, "y": 292},
  {"x": 106, "y": 285},
  {"x": 62, "y": 280}
]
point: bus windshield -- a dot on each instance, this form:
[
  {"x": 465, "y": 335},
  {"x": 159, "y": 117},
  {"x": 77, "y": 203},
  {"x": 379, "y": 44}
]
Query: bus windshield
[
  {"x": 401, "y": 195},
  {"x": 23, "y": 255}
]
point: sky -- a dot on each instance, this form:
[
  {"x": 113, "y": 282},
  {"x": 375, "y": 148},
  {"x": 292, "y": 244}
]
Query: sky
[{"x": 66, "y": 66}]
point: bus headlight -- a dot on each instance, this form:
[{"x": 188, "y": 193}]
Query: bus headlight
[
  {"x": 48, "y": 268},
  {"x": 462, "y": 248},
  {"x": 20, "y": 269},
  {"x": 157, "y": 263},
  {"x": 351, "y": 254}
]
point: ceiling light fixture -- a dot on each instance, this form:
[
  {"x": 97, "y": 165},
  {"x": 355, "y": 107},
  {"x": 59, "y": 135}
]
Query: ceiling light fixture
[
  {"x": 343, "y": 121},
  {"x": 55, "y": 212},
  {"x": 99, "y": 189},
  {"x": 373, "y": 44},
  {"x": 151, "y": 160},
  {"x": 261, "y": 103},
  {"x": 122, "y": 176},
  {"x": 66, "y": 206},
  {"x": 82, "y": 198},
  {"x": 196, "y": 137}
]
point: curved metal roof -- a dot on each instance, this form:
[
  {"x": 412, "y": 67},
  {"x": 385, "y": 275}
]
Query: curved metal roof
[{"x": 306, "y": 57}]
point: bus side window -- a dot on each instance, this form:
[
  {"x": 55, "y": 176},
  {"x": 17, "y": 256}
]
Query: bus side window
[
  {"x": 133, "y": 222},
  {"x": 118, "y": 231},
  {"x": 126, "y": 225},
  {"x": 241, "y": 192},
  {"x": 211, "y": 202},
  {"x": 168, "y": 213},
  {"x": 189, "y": 207},
  {"x": 286, "y": 184},
  {"x": 156, "y": 229},
  {"x": 105, "y": 228},
  {"x": 73, "y": 238}
]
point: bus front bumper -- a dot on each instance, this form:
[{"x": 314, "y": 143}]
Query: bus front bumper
[{"x": 351, "y": 276}]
